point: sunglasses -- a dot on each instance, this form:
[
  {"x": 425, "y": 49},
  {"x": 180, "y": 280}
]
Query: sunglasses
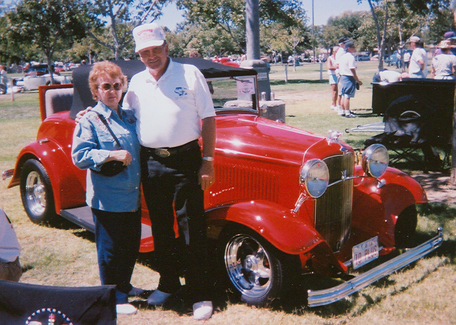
[{"x": 107, "y": 86}]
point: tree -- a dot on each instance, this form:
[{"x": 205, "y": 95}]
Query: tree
[
  {"x": 199, "y": 37},
  {"x": 49, "y": 24},
  {"x": 229, "y": 16},
  {"x": 423, "y": 8},
  {"x": 120, "y": 17}
]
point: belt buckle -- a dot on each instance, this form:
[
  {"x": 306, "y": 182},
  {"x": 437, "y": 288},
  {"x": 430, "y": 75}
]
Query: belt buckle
[{"x": 163, "y": 153}]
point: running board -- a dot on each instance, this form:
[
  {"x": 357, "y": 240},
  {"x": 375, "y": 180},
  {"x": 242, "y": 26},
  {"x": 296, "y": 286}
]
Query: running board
[
  {"x": 331, "y": 295},
  {"x": 83, "y": 217}
]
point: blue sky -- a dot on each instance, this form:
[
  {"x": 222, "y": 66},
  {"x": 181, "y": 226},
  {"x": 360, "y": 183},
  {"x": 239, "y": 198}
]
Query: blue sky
[{"x": 323, "y": 9}]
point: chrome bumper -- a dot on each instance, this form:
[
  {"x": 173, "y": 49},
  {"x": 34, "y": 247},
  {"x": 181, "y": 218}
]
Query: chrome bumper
[{"x": 328, "y": 296}]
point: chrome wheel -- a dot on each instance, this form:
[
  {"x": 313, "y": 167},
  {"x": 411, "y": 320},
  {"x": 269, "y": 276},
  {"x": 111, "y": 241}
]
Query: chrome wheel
[
  {"x": 36, "y": 192},
  {"x": 252, "y": 269}
]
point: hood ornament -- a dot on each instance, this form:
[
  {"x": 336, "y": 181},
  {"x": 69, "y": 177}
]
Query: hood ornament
[{"x": 334, "y": 138}]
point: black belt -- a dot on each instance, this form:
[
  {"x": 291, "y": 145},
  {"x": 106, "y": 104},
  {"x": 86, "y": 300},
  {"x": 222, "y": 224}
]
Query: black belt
[{"x": 167, "y": 152}]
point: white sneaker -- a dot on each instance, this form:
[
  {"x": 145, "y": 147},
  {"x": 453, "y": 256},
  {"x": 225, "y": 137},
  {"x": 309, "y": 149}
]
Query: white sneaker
[
  {"x": 135, "y": 292},
  {"x": 333, "y": 107},
  {"x": 158, "y": 298},
  {"x": 202, "y": 310},
  {"x": 126, "y": 309}
]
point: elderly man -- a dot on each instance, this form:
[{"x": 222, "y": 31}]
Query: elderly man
[
  {"x": 348, "y": 78},
  {"x": 173, "y": 107},
  {"x": 341, "y": 51},
  {"x": 418, "y": 61}
]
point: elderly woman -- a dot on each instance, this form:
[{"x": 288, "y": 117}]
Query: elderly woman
[
  {"x": 105, "y": 143},
  {"x": 443, "y": 65},
  {"x": 332, "y": 66}
]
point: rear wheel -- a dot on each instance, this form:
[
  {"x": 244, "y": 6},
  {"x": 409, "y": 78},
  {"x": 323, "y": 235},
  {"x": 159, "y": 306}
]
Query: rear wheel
[
  {"x": 36, "y": 193},
  {"x": 258, "y": 272}
]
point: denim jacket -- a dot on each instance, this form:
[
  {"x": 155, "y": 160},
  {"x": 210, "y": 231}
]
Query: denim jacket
[{"x": 92, "y": 142}]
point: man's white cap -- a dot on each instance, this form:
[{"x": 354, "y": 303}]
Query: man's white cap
[{"x": 148, "y": 35}]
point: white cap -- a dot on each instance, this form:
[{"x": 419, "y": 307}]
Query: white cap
[{"x": 148, "y": 35}]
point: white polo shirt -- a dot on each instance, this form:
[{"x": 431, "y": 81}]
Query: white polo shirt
[
  {"x": 169, "y": 111},
  {"x": 341, "y": 51},
  {"x": 346, "y": 63}
]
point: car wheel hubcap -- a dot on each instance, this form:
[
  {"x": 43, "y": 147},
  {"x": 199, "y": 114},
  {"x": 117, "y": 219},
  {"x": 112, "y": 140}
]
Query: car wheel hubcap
[
  {"x": 248, "y": 266},
  {"x": 35, "y": 193}
]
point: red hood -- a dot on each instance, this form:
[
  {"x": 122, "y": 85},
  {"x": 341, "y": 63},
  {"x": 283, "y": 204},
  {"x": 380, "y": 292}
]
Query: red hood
[{"x": 266, "y": 139}]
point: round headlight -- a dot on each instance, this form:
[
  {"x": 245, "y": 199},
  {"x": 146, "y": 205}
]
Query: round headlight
[
  {"x": 315, "y": 176},
  {"x": 375, "y": 160}
]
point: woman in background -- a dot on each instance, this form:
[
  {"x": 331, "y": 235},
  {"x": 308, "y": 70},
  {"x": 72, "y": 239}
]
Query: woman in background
[{"x": 333, "y": 80}]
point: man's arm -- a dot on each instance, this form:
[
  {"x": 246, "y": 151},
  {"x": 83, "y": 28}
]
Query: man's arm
[
  {"x": 356, "y": 77},
  {"x": 206, "y": 172}
]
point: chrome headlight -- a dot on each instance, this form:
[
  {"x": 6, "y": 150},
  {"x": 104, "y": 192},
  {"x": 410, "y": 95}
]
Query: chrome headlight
[
  {"x": 375, "y": 160},
  {"x": 315, "y": 177}
]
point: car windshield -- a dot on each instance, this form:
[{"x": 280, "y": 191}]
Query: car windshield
[{"x": 233, "y": 94}]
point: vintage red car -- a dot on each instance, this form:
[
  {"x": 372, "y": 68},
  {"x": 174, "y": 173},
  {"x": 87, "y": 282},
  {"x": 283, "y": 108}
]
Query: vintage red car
[{"x": 286, "y": 201}]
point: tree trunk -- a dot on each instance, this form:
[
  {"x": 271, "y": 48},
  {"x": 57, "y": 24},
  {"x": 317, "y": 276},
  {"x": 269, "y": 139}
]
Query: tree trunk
[
  {"x": 379, "y": 39},
  {"x": 453, "y": 151}
]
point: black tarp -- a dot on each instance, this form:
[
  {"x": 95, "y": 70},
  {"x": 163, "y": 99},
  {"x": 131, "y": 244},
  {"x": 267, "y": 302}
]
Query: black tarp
[
  {"x": 82, "y": 97},
  {"x": 22, "y": 303}
]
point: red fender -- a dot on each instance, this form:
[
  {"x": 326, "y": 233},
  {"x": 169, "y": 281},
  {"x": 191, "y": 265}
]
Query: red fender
[
  {"x": 279, "y": 226},
  {"x": 377, "y": 208},
  {"x": 67, "y": 189}
]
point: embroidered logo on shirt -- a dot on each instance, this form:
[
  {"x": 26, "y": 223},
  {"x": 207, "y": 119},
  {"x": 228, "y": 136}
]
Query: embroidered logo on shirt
[{"x": 180, "y": 91}]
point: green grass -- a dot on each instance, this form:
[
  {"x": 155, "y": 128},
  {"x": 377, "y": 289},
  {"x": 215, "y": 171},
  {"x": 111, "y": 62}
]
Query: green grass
[{"x": 65, "y": 255}]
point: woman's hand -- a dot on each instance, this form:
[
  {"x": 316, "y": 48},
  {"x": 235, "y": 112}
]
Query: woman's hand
[{"x": 120, "y": 155}]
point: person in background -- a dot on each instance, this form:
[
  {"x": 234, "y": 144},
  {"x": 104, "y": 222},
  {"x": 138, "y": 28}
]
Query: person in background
[
  {"x": 10, "y": 267},
  {"x": 399, "y": 58},
  {"x": 341, "y": 51},
  {"x": 173, "y": 108},
  {"x": 348, "y": 78},
  {"x": 105, "y": 134},
  {"x": 387, "y": 76},
  {"x": 406, "y": 60},
  {"x": 333, "y": 80},
  {"x": 443, "y": 66},
  {"x": 3, "y": 80},
  {"x": 418, "y": 60},
  {"x": 449, "y": 36}
]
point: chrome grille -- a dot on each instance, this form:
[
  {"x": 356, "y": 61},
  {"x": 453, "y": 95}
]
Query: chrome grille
[{"x": 333, "y": 209}]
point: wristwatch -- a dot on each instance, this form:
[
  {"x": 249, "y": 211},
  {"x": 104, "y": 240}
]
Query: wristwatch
[{"x": 208, "y": 158}]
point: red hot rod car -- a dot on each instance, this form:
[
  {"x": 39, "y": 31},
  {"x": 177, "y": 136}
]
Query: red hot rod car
[{"x": 285, "y": 200}]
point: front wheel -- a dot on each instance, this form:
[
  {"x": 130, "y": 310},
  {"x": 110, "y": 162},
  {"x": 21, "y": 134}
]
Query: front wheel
[
  {"x": 258, "y": 271},
  {"x": 405, "y": 227},
  {"x": 36, "y": 193}
]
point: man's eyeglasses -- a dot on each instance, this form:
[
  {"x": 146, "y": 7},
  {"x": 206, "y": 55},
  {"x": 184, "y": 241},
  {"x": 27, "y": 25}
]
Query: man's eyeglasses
[
  {"x": 107, "y": 86},
  {"x": 155, "y": 50}
]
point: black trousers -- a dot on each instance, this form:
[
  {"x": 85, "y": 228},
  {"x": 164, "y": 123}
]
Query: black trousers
[
  {"x": 117, "y": 237},
  {"x": 171, "y": 189}
]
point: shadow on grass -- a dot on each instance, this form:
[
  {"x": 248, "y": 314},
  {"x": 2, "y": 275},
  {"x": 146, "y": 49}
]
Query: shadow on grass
[
  {"x": 297, "y": 304},
  {"x": 297, "y": 81},
  {"x": 295, "y": 301}
]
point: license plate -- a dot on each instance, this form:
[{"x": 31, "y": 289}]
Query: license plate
[{"x": 365, "y": 252}]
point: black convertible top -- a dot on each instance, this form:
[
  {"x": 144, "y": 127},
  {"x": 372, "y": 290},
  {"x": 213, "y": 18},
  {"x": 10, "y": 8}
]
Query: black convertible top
[{"x": 83, "y": 97}]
